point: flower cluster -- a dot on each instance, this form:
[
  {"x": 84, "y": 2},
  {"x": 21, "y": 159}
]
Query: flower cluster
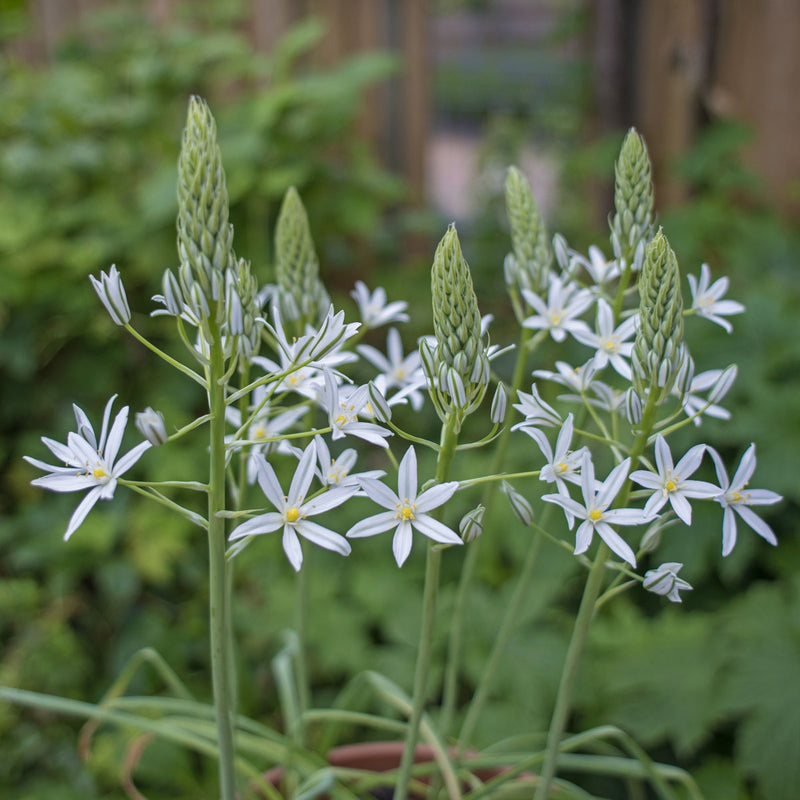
[
  {"x": 571, "y": 296},
  {"x": 292, "y": 389}
]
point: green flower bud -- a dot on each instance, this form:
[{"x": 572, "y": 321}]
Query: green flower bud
[
  {"x": 471, "y": 525},
  {"x": 377, "y": 405},
  {"x": 459, "y": 372},
  {"x": 519, "y": 505},
  {"x": 531, "y": 245},
  {"x": 112, "y": 295},
  {"x": 151, "y": 425},
  {"x": 499, "y": 404},
  {"x": 633, "y": 196},
  {"x": 242, "y": 311},
  {"x": 205, "y": 236},
  {"x": 658, "y": 351},
  {"x": 300, "y": 291}
]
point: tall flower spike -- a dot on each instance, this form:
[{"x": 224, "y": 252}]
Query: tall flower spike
[
  {"x": 529, "y": 264},
  {"x": 301, "y": 293},
  {"x": 457, "y": 367},
  {"x": 658, "y": 351},
  {"x": 205, "y": 236},
  {"x": 633, "y": 196}
]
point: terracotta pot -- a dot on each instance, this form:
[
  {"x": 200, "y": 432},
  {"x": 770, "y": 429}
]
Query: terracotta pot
[{"x": 378, "y": 757}]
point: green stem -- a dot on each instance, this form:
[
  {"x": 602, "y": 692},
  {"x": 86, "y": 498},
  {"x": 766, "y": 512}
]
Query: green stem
[
  {"x": 220, "y": 579},
  {"x": 591, "y": 592},
  {"x": 434, "y": 556},
  {"x": 454, "y": 645},
  {"x": 563, "y": 699},
  {"x": 501, "y": 640},
  {"x": 161, "y": 354}
]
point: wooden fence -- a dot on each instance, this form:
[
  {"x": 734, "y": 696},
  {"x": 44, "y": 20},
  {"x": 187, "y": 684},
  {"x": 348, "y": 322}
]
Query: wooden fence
[
  {"x": 670, "y": 66},
  {"x": 667, "y": 66}
]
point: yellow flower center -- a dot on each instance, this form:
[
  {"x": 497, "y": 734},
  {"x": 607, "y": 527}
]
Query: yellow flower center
[
  {"x": 670, "y": 485},
  {"x": 260, "y": 433},
  {"x": 595, "y": 515},
  {"x": 736, "y": 497},
  {"x": 406, "y": 511},
  {"x": 99, "y": 473},
  {"x": 292, "y": 514},
  {"x": 562, "y": 466}
]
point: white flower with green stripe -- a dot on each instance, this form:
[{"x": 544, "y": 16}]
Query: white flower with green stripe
[
  {"x": 89, "y": 463},
  {"x": 294, "y": 509},
  {"x": 407, "y": 510}
]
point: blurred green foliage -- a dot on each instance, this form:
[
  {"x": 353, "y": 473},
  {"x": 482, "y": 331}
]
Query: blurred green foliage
[
  {"x": 88, "y": 151},
  {"x": 87, "y": 173}
]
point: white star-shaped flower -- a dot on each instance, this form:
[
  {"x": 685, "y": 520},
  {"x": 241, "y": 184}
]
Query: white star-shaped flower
[
  {"x": 734, "y": 496},
  {"x": 707, "y": 298},
  {"x": 303, "y": 358},
  {"x": 374, "y": 309},
  {"x": 611, "y": 343},
  {"x": 599, "y": 268},
  {"x": 406, "y": 510},
  {"x": 563, "y": 465},
  {"x": 89, "y": 463},
  {"x": 339, "y": 471},
  {"x": 671, "y": 483},
  {"x": 294, "y": 508},
  {"x": 535, "y": 410},
  {"x": 565, "y": 303},
  {"x": 595, "y": 511},
  {"x": 718, "y": 383},
  {"x": 397, "y": 370},
  {"x": 343, "y": 405}
]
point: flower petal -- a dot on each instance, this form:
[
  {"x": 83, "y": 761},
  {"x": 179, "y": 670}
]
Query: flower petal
[
  {"x": 80, "y": 513},
  {"x": 436, "y": 496},
  {"x": 379, "y": 523},
  {"x": 407, "y": 476},
  {"x": 268, "y": 482},
  {"x": 323, "y": 537},
  {"x": 756, "y": 523},
  {"x": 130, "y": 458},
  {"x": 65, "y": 482},
  {"x": 379, "y": 493},
  {"x": 401, "y": 543},
  {"x": 616, "y": 542},
  {"x": 304, "y": 474},
  {"x": 433, "y": 529},
  {"x": 292, "y": 548},
  {"x": 263, "y": 523},
  {"x": 612, "y": 484},
  {"x": 111, "y": 447}
]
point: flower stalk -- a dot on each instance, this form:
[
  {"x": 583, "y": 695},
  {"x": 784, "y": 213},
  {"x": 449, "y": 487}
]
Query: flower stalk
[
  {"x": 220, "y": 580},
  {"x": 449, "y": 441}
]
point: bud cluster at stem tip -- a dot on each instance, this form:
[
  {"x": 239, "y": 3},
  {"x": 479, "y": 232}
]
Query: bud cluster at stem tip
[
  {"x": 658, "y": 351},
  {"x": 301, "y": 295},
  {"x": 633, "y": 197},
  {"x": 458, "y": 367},
  {"x": 205, "y": 236},
  {"x": 528, "y": 266}
]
